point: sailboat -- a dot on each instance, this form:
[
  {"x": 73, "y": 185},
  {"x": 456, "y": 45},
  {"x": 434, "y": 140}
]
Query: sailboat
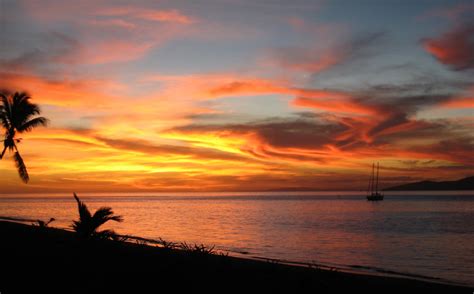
[{"x": 373, "y": 193}]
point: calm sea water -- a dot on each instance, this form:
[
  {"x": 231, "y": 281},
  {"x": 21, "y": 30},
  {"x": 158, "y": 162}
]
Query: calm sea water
[{"x": 429, "y": 234}]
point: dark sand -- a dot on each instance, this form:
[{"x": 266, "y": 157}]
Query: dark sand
[{"x": 36, "y": 260}]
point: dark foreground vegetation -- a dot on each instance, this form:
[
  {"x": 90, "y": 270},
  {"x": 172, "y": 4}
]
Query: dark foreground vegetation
[{"x": 46, "y": 260}]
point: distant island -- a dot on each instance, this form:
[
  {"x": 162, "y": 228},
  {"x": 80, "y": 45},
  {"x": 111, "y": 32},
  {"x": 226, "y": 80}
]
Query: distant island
[{"x": 462, "y": 184}]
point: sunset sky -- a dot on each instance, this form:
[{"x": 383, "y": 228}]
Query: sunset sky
[{"x": 239, "y": 95}]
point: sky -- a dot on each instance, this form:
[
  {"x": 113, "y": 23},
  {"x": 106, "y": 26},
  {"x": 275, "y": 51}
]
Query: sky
[{"x": 239, "y": 95}]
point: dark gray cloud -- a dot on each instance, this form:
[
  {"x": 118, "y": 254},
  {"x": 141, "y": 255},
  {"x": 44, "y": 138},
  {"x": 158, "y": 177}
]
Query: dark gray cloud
[
  {"x": 284, "y": 132},
  {"x": 38, "y": 56}
]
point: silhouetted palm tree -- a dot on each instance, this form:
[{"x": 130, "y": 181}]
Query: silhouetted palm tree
[
  {"x": 88, "y": 224},
  {"x": 17, "y": 116}
]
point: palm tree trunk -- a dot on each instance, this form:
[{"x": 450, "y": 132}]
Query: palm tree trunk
[{"x": 21, "y": 167}]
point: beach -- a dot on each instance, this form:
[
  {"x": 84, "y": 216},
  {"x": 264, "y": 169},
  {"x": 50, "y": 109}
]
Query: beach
[{"x": 54, "y": 260}]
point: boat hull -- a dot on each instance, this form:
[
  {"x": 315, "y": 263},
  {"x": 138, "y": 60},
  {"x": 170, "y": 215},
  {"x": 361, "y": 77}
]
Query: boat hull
[{"x": 375, "y": 197}]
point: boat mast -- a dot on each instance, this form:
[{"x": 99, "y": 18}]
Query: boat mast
[
  {"x": 372, "y": 179},
  {"x": 369, "y": 188},
  {"x": 377, "y": 181}
]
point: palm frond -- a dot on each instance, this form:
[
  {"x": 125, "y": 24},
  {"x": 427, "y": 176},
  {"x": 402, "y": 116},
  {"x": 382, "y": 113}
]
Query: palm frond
[
  {"x": 4, "y": 121},
  {"x": 3, "y": 152},
  {"x": 83, "y": 225},
  {"x": 5, "y": 112},
  {"x": 84, "y": 213},
  {"x": 33, "y": 123},
  {"x": 22, "y": 109},
  {"x": 20, "y": 165},
  {"x": 2, "y": 107},
  {"x": 103, "y": 215},
  {"x": 5, "y": 101}
]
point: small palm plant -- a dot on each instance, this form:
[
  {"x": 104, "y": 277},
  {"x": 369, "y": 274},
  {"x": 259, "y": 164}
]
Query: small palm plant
[
  {"x": 17, "y": 115},
  {"x": 43, "y": 224},
  {"x": 88, "y": 224}
]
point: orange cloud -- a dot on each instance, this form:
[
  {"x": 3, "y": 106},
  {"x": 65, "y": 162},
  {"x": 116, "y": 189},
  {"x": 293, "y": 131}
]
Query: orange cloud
[
  {"x": 63, "y": 92},
  {"x": 465, "y": 99},
  {"x": 213, "y": 86},
  {"x": 467, "y": 102}
]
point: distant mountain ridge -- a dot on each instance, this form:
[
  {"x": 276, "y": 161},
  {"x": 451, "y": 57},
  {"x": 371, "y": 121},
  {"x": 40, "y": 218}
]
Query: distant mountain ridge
[{"x": 462, "y": 184}]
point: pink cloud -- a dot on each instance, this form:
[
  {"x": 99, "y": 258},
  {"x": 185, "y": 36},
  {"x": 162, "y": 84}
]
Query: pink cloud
[
  {"x": 335, "y": 105},
  {"x": 171, "y": 15},
  {"x": 113, "y": 51},
  {"x": 113, "y": 23},
  {"x": 114, "y": 33},
  {"x": 454, "y": 48}
]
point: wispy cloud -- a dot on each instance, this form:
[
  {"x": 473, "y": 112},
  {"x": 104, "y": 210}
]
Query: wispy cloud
[{"x": 317, "y": 56}]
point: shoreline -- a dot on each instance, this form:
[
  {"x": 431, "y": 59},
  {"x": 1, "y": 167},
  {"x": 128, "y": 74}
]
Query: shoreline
[{"x": 51, "y": 252}]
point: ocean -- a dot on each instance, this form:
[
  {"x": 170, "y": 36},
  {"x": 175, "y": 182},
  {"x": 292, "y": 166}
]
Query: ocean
[{"x": 420, "y": 234}]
